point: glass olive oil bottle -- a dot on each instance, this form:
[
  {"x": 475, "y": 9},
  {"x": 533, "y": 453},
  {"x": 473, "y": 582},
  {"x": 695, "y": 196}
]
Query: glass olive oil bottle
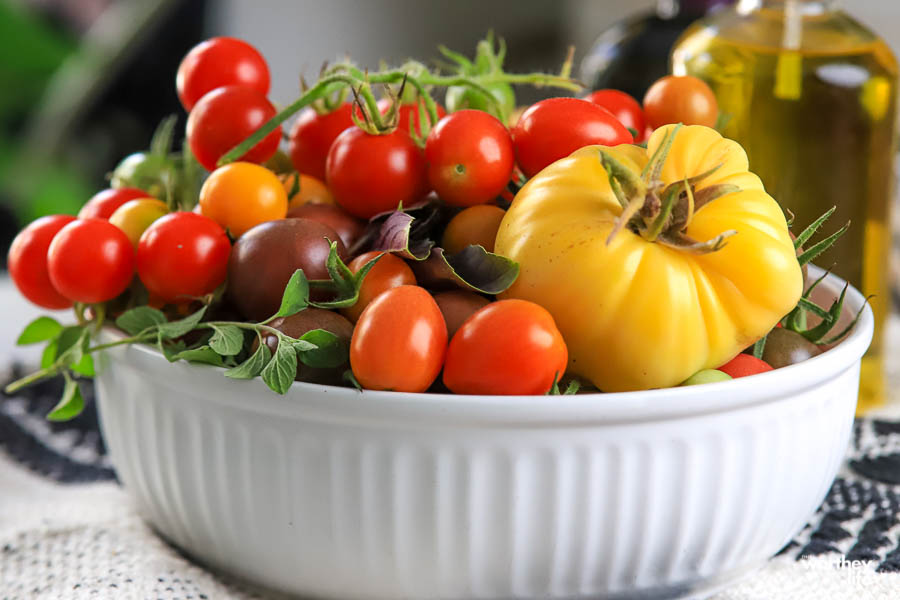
[{"x": 811, "y": 96}]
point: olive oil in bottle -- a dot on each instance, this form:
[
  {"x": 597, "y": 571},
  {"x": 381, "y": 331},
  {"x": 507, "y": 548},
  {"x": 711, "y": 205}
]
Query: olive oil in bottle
[{"x": 811, "y": 95}]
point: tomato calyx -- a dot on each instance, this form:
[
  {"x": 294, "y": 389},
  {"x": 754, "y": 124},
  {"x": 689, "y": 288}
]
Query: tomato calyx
[
  {"x": 346, "y": 75},
  {"x": 661, "y": 213}
]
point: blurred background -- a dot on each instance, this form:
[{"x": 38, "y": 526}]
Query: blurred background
[{"x": 84, "y": 82}]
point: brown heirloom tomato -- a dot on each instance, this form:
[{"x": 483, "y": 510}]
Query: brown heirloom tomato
[
  {"x": 264, "y": 258},
  {"x": 457, "y": 306},
  {"x": 304, "y": 321},
  {"x": 348, "y": 227}
]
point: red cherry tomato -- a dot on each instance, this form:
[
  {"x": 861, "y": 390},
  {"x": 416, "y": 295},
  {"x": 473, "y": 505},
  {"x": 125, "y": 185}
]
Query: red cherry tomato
[
  {"x": 625, "y": 108},
  {"x": 104, "y": 203},
  {"x": 555, "y": 128},
  {"x": 680, "y": 99},
  {"x": 370, "y": 174},
  {"x": 312, "y": 135},
  {"x": 218, "y": 62},
  {"x": 743, "y": 365},
  {"x": 27, "y": 261},
  {"x": 470, "y": 158},
  {"x": 399, "y": 342},
  {"x": 223, "y": 118},
  {"x": 183, "y": 255},
  {"x": 510, "y": 347},
  {"x": 90, "y": 261},
  {"x": 407, "y": 109}
]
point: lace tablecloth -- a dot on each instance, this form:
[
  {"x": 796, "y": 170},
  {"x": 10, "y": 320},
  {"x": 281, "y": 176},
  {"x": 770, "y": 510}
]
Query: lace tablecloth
[{"x": 68, "y": 531}]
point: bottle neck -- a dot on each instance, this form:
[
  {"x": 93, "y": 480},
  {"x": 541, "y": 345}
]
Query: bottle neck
[
  {"x": 803, "y": 7},
  {"x": 668, "y": 9}
]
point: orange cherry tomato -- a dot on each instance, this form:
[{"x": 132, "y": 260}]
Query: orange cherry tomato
[
  {"x": 389, "y": 272},
  {"x": 399, "y": 342},
  {"x": 241, "y": 195},
  {"x": 680, "y": 99},
  {"x": 310, "y": 190},
  {"x": 135, "y": 216},
  {"x": 510, "y": 347},
  {"x": 476, "y": 225}
]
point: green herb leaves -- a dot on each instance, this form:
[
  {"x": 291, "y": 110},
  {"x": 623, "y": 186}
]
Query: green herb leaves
[
  {"x": 39, "y": 330},
  {"x": 296, "y": 293},
  {"x": 226, "y": 344},
  {"x": 796, "y": 320},
  {"x": 280, "y": 372},
  {"x": 139, "y": 319},
  {"x": 227, "y": 340}
]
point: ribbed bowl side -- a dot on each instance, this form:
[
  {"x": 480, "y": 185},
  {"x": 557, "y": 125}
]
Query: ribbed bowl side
[{"x": 423, "y": 509}]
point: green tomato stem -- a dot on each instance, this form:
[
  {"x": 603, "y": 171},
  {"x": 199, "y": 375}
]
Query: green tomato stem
[
  {"x": 17, "y": 385},
  {"x": 348, "y": 75},
  {"x": 314, "y": 93}
]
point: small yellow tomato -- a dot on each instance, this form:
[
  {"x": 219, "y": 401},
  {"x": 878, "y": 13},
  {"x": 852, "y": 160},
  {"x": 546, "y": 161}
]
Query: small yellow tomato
[
  {"x": 135, "y": 216},
  {"x": 476, "y": 225},
  {"x": 241, "y": 195},
  {"x": 308, "y": 190}
]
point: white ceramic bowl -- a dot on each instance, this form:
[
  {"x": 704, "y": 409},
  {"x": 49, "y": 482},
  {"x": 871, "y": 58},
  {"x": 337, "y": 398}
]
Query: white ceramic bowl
[{"x": 333, "y": 493}]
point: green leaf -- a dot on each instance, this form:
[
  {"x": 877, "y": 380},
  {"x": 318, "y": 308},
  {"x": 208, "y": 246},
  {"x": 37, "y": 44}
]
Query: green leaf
[
  {"x": 817, "y": 333},
  {"x": 161, "y": 142},
  {"x": 295, "y": 186},
  {"x": 473, "y": 268},
  {"x": 812, "y": 228},
  {"x": 838, "y": 337},
  {"x": 39, "y": 330},
  {"x": 722, "y": 121},
  {"x": 344, "y": 282},
  {"x": 227, "y": 340},
  {"x": 48, "y": 356},
  {"x": 202, "y": 354},
  {"x": 279, "y": 374},
  {"x": 296, "y": 294},
  {"x": 554, "y": 387},
  {"x": 465, "y": 65},
  {"x": 176, "y": 329},
  {"x": 71, "y": 345},
  {"x": 70, "y": 405},
  {"x": 760, "y": 346},
  {"x": 328, "y": 350},
  {"x": 253, "y": 366},
  {"x": 350, "y": 378},
  {"x": 340, "y": 273},
  {"x": 139, "y": 319},
  {"x": 85, "y": 366},
  {"x": 812, "y": 307},
  {"x": 820, "y": 247},
  {"x": 572, "y": 388}
]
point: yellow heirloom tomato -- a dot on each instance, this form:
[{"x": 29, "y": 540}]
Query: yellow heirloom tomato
[{"x": 655, "y": 263}]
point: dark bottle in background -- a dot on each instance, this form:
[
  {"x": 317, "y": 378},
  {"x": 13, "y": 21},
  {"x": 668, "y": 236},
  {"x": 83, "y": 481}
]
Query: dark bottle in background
[{"x": 633, "y": 53}]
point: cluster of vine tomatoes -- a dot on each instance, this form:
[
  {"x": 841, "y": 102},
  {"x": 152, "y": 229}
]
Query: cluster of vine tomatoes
[{"x": 255, "y": 223}]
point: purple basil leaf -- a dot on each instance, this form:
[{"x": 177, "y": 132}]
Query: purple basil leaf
[
  {"x": 395, "y": 237},
  {"x": 473, "y": 268}
]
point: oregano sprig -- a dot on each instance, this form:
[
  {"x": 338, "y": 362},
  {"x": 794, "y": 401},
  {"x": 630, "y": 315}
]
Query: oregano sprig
[{"x": 227, "y": 344}]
